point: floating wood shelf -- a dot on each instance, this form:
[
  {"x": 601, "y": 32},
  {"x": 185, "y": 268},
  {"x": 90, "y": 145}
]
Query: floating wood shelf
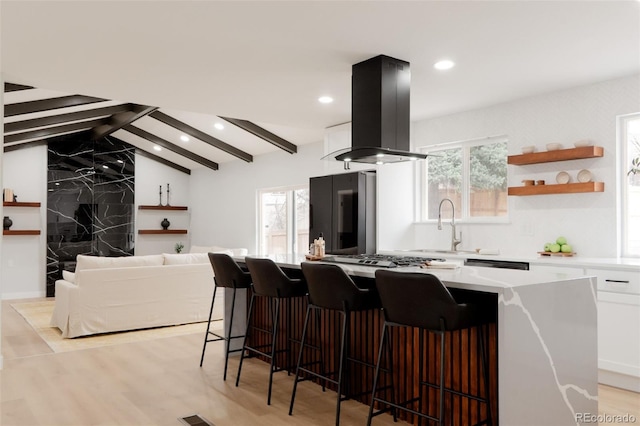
[
  {"x": 161, "y": 231},
  {"x": 21, "y": 232},
  {"x": 566, "y": 188},
  {"x": 163, "y": 208},
  {"x": 20, "y": 204},
  {"x": 558, "y": 155}
]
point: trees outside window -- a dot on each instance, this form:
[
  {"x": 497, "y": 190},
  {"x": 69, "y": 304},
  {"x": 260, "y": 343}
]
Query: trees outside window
[
  {"x": 283, "y": 220},
  {"x": 473, "y": 174}
]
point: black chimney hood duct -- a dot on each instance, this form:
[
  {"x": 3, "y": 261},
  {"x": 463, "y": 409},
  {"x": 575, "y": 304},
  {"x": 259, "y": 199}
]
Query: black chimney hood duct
[{"x": 380, "y": 112}]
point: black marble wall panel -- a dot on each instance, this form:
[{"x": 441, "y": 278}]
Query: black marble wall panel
[{"x": 90, "y": 203}]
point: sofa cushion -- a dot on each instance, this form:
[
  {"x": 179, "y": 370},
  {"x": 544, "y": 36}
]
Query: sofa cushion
[
  {"x": 185, "y": 258},
  {"x": 98, "y": 262},
  {"x": 69, "y": 276}
]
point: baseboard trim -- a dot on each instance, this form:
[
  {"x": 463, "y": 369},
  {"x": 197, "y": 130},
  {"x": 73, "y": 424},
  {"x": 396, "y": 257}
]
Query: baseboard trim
[
  {"x": 25, "y": 295},
  {"x": 618, "y": 380}
]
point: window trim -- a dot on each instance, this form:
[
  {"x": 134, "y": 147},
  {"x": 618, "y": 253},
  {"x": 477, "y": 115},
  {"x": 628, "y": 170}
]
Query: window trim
[
  {"x": 291, "y": 225},
  {"x": 623, "y": 190},
  {"x": 465, "y": 145}
]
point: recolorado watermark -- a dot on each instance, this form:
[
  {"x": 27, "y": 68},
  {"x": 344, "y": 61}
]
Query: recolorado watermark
[{"x": 605, "y": 418}]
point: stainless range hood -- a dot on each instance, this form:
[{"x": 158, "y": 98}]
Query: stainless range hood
[{"x": 380, "y": 113}]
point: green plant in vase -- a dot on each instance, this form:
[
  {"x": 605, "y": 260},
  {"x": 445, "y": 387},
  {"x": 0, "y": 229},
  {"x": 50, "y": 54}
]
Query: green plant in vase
[{"x": 179, "y": 246}]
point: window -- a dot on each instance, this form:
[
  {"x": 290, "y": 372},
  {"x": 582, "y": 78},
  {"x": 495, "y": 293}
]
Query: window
[
  {"x": 630, "y": 152},
  {"x": 283, "y": 220},
  {"x": 472, "y": 174}
]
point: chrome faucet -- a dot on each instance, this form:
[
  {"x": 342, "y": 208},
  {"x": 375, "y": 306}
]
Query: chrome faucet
[{"x": 454, "y": 242}]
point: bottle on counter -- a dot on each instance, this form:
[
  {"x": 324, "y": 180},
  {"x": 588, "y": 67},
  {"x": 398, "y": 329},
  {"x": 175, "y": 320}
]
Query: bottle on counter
[{"x": 320, "y": 250}]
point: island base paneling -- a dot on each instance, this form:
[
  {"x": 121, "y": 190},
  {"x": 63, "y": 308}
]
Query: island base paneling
[{"x": 463, "y": 371}]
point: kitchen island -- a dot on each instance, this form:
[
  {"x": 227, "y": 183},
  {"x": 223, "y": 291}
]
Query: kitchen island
[{"x": 543, "y": 344}]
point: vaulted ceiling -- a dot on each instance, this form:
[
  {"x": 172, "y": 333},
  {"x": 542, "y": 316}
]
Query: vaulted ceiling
[
  {"x": 170, "y": 68},
  {"x": 181, "y": 140}
]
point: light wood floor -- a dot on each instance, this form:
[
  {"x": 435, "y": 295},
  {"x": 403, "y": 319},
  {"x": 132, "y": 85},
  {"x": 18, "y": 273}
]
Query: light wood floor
[{"x": 156, "y": 382}]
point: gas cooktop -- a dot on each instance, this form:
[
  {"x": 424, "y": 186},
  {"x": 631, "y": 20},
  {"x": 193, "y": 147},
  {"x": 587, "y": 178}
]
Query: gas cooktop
[{"x": 379, "y": 260}]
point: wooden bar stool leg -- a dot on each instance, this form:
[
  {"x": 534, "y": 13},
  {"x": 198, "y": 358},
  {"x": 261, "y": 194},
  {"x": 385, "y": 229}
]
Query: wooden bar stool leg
[{"x": 485, "y": 373}]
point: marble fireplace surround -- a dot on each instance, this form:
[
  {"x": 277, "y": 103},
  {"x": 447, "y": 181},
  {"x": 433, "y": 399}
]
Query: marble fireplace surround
[{"x": 90, "y": 201}]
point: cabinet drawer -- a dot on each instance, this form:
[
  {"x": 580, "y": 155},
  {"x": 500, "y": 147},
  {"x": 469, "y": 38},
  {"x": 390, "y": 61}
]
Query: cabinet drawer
[{"x": 617, "y": 281}]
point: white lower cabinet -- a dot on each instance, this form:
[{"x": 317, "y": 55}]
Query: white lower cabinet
[{"x": 618, "y": 328}]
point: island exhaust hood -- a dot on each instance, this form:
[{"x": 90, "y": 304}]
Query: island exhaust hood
[{"x": 380, "y": 113}]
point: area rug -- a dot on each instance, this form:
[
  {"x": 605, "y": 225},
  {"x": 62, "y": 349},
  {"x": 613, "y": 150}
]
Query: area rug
[{"x": 38, "y": 315}]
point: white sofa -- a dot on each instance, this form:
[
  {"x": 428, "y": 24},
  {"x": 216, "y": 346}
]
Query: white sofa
[{"x": 107, "y": 294}]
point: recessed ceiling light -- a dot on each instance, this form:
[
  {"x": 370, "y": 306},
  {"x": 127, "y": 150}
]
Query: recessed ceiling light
[
  {"x": 104, "y": 166},
  {"x": 346, "y": 160},
  {"x": 325, "y": 99},
  {"x": 57, "y": 183},
  {"x": 184, "y": 138},
  {"x": 219, "y": 126},
  {"x": 379, "y": 163},
  {"x": 120, "y": 161},
  {"x": 380, "y": 155},
  {"x": 157, "y": 148},
  {"x": 445, "y": 64}
]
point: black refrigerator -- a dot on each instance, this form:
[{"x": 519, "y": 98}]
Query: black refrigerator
[{"x": 343, "y": 209}]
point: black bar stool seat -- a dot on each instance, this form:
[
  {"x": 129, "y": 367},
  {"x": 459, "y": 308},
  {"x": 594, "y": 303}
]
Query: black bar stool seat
[
  {"x": 227, "y": 274},
  {"x": 271, "y": 282},
  {"x": 413, "y": 299},
  {"x": 330, "y": 288}
]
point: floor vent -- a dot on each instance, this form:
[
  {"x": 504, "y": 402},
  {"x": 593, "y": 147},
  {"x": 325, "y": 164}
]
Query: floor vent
[{"x": 195, "y": 420}]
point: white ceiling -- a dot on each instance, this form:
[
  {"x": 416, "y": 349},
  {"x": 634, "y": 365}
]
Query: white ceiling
[{"x": 269, "y": 61}]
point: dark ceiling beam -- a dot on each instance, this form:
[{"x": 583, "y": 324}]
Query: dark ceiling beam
[
  {"x": 263, "y": 134},
  {"x": 118, "y": 121},
  {"x": 161, "y": 160},
  {"x": 13, "y": 87},
  {"x": 191, "y": 131},
  {"x": 48, "y": 104},
  {"x": 18, "y": 146},
  {"x": 65, "y": 118},
  {"x": 170, "y": 146},
  {"x": 51, "y": 131}
]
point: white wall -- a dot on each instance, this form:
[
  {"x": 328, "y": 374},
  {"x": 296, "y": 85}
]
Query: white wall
[
  {"x": 225, "y": 201},
  {"x": 24, "y": 257},
  {"x": 587, "y": 220},
  {"x": 150, "y": 175}
]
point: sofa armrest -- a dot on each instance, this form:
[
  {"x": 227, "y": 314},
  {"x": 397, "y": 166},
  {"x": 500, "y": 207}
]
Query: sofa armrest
[{"x": 65, "y": 293}]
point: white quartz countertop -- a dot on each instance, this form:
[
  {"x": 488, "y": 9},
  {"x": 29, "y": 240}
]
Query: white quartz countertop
[
  {"x": 492, "y": 280},
  {"x": 620, "y": 263}
]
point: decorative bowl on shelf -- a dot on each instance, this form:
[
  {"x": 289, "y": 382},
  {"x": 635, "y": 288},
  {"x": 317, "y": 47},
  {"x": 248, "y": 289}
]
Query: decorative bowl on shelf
[
  {"x": 554, "y": 146},
  {"x": 563, "y": 177},
  {"x": 528, "y": 182},
  {"x": 528, "y": 149},
  {"x": 583, "y": 142},
  {"x": 584, "y": 176}
]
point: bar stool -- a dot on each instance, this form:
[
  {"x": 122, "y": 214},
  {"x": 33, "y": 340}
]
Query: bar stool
[
  {"x": 331, "y": 288},
  {"x": 227, "y": 274},
  {"x": 421, "y": 300},
  {"x": 270, "y": 282}
]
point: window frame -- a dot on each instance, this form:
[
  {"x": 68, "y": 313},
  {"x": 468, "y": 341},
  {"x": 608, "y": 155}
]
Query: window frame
[
  {"x": 623, "y": 161},
  {"x": 465, "y": 217},
  {"x": 291, "y": 225}
]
